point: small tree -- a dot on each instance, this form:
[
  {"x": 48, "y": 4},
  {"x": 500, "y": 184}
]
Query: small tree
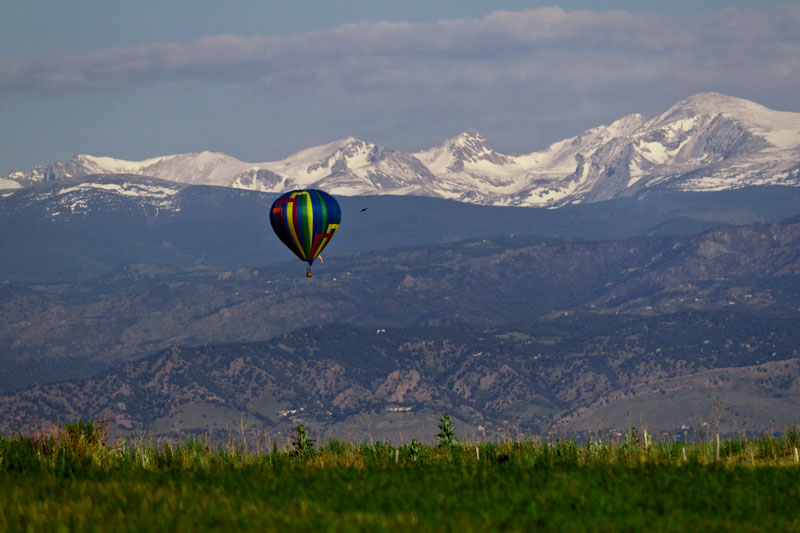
[
  {"x": 302, "y": 444},
  {"x": 411, "y": 450},
  {"x": 447, "y": 433}
]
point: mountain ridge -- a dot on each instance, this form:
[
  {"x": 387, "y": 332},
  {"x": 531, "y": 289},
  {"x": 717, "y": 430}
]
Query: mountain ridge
[
  {"x": 83, "y": 227},
  {"x": 140, "y": 308},
  {"x": 566, "y": 374},
  {"x": 708, "y": 141}
]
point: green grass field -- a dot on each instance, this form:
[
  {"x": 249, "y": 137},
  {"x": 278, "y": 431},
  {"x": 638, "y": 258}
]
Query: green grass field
[{"x": 74, "y": 481}]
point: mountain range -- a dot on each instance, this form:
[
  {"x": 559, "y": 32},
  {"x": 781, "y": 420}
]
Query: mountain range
[
  {"x": 547, "y": 335},
  {"x": 664, "y": 286},
  {"x": 571, "y": 373},
  {"x": 706, "y": 142}
]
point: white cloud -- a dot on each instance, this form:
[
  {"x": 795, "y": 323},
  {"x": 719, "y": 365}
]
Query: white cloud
[
  {"x": 544, "y": 46},
  {"x": 523, "y": 78}
]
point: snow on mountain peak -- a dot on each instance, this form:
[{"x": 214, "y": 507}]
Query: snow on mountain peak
[
  {"x": 626, "y": 125},
  {"x": 781, "y": 129},
  {"x": 469, "y": 136},
  {"x": 7, "y": 187},
  {"x": 714, "y": 102},
  {"x": 315, "y": 154},
  {"x": 469, "y": 152},
  {"x": 69, "y": 197},
  {"x": 708, "y": 140}
]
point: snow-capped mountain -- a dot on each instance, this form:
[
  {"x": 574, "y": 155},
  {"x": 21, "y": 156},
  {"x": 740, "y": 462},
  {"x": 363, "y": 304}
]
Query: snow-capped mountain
[
  {"x": 708, "y": 141},
  {"x": 348, "y": 166},
  {"x": 69, "y": 198}
]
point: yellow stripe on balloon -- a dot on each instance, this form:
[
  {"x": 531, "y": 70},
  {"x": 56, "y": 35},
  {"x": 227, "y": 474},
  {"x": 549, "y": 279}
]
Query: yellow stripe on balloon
[
  {"x": 309, "y": 222},
  {"x": 290, "y": 207},
  {"x": 324, "y": 240}
]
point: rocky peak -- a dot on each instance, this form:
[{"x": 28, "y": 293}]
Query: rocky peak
[{"x": 472, "y": 147}]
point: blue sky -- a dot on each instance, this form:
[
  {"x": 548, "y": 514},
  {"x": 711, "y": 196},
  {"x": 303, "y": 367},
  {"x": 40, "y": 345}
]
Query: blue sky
[{"x": 261, "y": 79}]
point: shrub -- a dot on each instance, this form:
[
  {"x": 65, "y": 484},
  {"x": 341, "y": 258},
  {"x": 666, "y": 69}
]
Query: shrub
[
  {"x": 411, "y": 450},
  {"x": 447, "y": 433},
  {"x": 83, "y": 438},
  {"x": 381, "y": 450},
  {"x": 303, "y": 445}
]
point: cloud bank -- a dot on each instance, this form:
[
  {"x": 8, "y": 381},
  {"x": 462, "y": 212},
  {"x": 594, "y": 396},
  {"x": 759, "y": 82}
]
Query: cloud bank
[
  {"x": 524, "y": 79},
  {"x": 547, "y": 49}
]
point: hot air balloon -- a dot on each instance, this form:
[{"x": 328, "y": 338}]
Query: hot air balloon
[{"x": 305, "y": 221}]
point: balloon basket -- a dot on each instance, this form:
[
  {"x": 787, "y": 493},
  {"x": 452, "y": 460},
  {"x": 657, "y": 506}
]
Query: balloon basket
[{"x": 308, "y": 273}]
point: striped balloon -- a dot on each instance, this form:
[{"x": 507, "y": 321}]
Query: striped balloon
[{"x": 305, "y": 221}]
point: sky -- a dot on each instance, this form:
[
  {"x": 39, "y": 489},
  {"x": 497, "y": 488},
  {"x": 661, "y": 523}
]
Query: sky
[{"x": 262, "y": 79}]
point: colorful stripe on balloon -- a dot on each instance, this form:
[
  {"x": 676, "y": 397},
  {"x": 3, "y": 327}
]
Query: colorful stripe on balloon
[{"x": 305, "y": 221}]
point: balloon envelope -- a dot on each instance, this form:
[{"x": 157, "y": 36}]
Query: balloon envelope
[{"x": 305, "y": 221}]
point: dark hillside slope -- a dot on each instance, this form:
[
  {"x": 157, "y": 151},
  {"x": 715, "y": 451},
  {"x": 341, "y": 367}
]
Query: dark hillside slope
[
  {"x": 143, "y": 308},
  {"x": 571, "y": 373},
  {"x": 78, "y": 229}
]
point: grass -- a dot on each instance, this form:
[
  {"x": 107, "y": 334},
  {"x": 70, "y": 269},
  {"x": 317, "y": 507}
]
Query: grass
[{"x": 73, "y": 480}]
